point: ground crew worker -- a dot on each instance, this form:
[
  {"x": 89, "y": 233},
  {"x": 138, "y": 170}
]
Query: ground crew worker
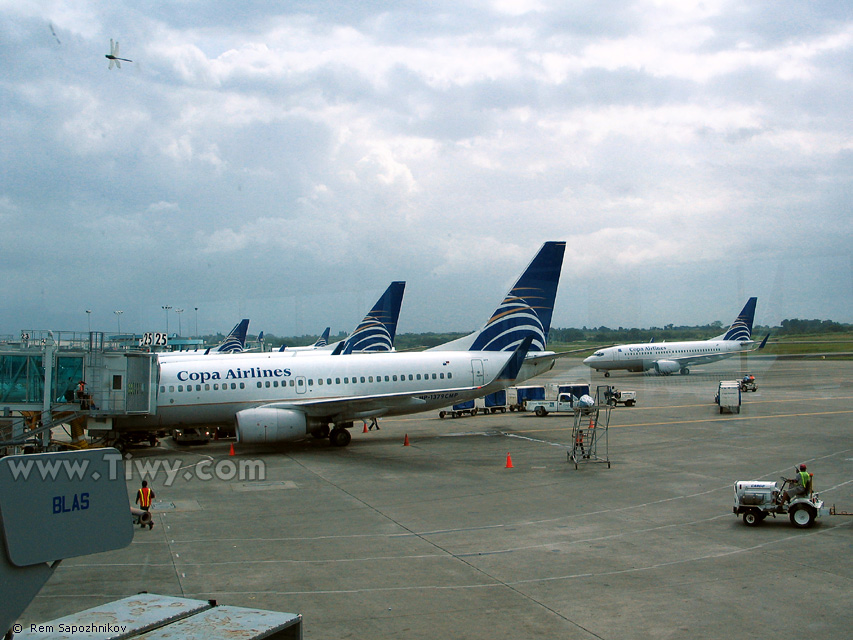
[
  {"x": 801, "y": 487},
  {"x": 143, "y": 498}
]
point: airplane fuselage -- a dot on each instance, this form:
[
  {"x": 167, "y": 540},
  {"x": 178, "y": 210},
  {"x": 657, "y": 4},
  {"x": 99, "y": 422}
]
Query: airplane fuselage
[{"x": 212, "y": 389}]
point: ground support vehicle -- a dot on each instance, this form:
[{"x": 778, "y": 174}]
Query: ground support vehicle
[
  {"x": 459, "y": 410},
  {"x": 612, "y": 396},
  {"x": 747, "y": 383},
  {"x": 590, "y": 436},
  {"x": 728, "y": 396},
  {"x": 190, "y": 435},
  {"x": 565, "y": 403},
  {"x": 755, "y": 500},
  {"x": 517, "y": 396},
  {"x": 492, "y": 403}
]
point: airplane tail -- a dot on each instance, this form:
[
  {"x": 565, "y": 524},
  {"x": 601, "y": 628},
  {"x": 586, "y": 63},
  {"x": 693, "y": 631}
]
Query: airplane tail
[
  {"x": 741, "y": 329},
  {"x": 526, "y": 309},
  {"x": 323, "y": 340},
  {"x": 379, "y": 327},
  {"x": 235, "y": 342}
]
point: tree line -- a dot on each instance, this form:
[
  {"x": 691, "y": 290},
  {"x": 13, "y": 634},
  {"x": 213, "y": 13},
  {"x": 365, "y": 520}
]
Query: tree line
[{"x": 594, "y": 335}]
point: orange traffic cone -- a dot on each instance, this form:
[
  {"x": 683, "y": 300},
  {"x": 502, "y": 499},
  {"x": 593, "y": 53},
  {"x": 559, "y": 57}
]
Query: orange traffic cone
[
  {"x": 509, "y": 461},
  {"x": 406, "y": 441},
  {"x": 231, "y": 452},
  {"x": 365, "y": 428}
]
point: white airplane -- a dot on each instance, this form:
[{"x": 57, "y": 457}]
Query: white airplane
[
  {"x": 375, "y": 333},
  {"x": 278, "y": 397},
  {"x": 234, "y": 342},
  {"x": 671, "y": 357},
  {"x": 112, "y": 56},
  {"x": 321, "y": 343}
]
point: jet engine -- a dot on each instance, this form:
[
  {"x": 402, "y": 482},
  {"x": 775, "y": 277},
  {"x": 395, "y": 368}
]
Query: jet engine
[
  {"x": 665, "y": 367},
  {"x": 264, "y": 425}
]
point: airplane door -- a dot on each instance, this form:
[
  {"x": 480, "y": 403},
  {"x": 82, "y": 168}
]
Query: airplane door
[
  {"x": 477, "y": 371},
  {"x": 301, "y": 384}
]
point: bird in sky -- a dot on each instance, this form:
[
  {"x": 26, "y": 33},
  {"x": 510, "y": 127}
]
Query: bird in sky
[{"x": 112, "y": 56}]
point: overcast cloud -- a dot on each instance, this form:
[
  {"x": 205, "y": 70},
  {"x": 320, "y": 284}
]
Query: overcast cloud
[{"x": 286, "y": 164}]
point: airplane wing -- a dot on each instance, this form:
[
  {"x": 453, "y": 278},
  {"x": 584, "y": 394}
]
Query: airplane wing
[{"x": 364, "y": 405}]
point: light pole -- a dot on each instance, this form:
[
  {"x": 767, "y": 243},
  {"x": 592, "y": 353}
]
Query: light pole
[
  {"x": 166, "y": 308},
  {"x": 196, "y": 322},
  {"x": 179, "y": 312},
  {"x": 118, "y": 319},
  {"x": 89, "y": 319}
]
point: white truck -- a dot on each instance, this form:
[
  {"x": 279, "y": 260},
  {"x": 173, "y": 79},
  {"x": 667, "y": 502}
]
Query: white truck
[
  {"x": 564, "y": 402},
  {"x": 728, "y": 396}
]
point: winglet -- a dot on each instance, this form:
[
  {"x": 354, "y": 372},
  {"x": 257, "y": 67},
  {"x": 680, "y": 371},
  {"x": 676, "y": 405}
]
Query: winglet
[
  {"x": 516, "y": 360},
  {"x": 763, "y": 342},
  {"x": 339, "y": 348}
]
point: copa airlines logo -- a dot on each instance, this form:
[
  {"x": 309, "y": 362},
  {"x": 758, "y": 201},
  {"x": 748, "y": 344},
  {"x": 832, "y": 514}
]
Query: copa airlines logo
[
  {"x": 231, "y": 344},
  {"x": 370, "y": 335},
  {"x": 511, "y": 323},
  {"x": 232, "y": 374},
  {"x": 741, "y": 329}
]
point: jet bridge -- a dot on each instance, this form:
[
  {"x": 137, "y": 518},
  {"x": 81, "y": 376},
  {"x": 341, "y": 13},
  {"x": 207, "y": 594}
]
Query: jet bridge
[{"x": 40, "y": 379}]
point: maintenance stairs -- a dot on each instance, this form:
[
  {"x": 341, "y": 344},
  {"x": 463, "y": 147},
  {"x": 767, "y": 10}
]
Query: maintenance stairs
[{"x": 591, "y": 432}]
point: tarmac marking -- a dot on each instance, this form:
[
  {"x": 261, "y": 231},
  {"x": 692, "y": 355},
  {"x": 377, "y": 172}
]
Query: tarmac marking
[{"x": 733, "y": 417}]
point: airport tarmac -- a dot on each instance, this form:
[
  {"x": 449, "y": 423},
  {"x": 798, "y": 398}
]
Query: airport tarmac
[{"x": 440, "y": 539}]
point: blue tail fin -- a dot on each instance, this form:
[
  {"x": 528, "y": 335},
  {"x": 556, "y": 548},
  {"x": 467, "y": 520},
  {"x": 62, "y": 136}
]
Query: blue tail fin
[
  {"x": 379, "y": 327},
  {"x": 235, "y": 342},
  {"x": 525, "y": 311},
  {"x": 323, "y": 340},
  {"x": 741, "y": 328}
]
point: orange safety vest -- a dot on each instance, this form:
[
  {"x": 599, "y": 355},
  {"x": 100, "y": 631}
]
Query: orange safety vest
[{"x": 144, "y": 496}]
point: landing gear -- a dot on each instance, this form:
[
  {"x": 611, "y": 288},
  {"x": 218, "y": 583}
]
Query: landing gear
[
  {"x": 606, "y": 374},
  {"x": 320, "y": 432},
  {"x": 685, "y": 371},
  {"x": 340, "y": 436}
]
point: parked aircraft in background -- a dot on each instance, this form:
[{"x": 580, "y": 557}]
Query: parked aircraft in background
[
  {"x": 279, "y": 396},
  {"x": 672, "y": 357},
  {"x": 234, "y": 342},
  {"x": 321, "y": 343},
  {"x": 375, "y": 333}
]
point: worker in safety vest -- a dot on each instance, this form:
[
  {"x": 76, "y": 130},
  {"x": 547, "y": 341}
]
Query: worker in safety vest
[
  {"x": 143, "y": 498},
  {"x": 802, "y": 483}
]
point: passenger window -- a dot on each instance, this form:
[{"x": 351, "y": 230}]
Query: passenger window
[
  {"x": 449, "y": 375},
  {"x": 242, "y": 385},
  {"x": 267, "y": 384},
  {"x": 394, "y": 378},
  {"x": 180, "y": 387},
  {"x": 337, "y": 380},
  {"x": 328, "y": 381},
  {"x": 207, "y": 387},
  {"x": 370, "y": 378},
  {"x": 320, "y": 381},
  {"x": 362, "y": 379},
  {"x": 171, "y": 388},
  {"x": 418, "y": 376},
  {"x": 216, "y": 386},
  {"x": 386, "y": 379}
]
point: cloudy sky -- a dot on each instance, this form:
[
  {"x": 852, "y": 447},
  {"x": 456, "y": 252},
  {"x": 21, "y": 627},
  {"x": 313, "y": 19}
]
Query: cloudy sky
[{"x": 286, "y": 164}]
